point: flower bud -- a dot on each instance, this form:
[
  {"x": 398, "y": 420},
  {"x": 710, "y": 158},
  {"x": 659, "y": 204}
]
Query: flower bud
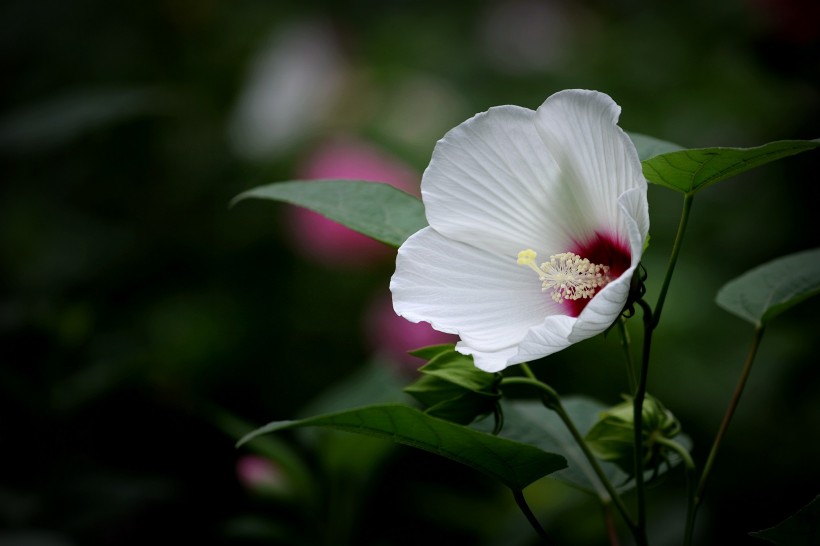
[{"x": 612, "y": 437}]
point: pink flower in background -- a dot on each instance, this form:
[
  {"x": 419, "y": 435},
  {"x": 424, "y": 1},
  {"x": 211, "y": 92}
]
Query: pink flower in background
[
  {"x": 391, "y": 336},
  {"x": 326, "y": 241},
  {"x": 259, "y": 474}
]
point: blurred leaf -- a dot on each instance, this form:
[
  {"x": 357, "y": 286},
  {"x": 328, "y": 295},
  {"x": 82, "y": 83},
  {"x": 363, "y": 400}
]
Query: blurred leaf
[
  {"x": 377, "y": 210},
  {"x": 801, "y": 529},
  {"x": 61, "y": 118},
  {"x": 514, "y": 464},
  {"x": 689, "y": 171},
  {"x": 648, "y": 146},
  {"x": 767, "y": 290}
]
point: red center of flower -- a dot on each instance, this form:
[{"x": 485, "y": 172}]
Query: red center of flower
[{"x": 602, "y": 249}]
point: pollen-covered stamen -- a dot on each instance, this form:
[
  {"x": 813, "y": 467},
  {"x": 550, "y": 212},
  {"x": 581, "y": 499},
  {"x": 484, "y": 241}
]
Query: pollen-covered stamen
[{"x": 567, "y": 275}]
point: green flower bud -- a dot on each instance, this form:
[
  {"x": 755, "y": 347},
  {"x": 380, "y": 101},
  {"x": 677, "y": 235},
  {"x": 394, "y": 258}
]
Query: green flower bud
[{"x": 612, "y": 437}]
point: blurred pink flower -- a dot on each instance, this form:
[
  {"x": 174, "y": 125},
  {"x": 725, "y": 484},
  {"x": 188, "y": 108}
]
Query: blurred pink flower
[
  {"x": 260, "y": 474},
  {"x": 326, "y": 241},
  {"x": 391, "y": 336}
]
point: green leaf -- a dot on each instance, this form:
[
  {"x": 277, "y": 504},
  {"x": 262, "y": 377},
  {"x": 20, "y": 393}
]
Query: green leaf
[
  {"x": 529, "y": 422},
  {"x": 514, "y": 464},
  {"x": 648, "y": 146},
  {"x": 801, "y": 529},
  {"x": 689, "y": 171},
  {"x": 377, "y": 210},
  {"x": 767, "y": 290}
]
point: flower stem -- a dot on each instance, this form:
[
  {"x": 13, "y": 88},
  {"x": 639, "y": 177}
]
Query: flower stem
[
  {"x": 637, "y": 416},
  {"x": 673, "y": 257},
  {"x": 528, "y": 371},
  {"x": 626, "y": 344},
  {"x": 727, "y": 418},
  {"x": 551, "y": 400},
  {"x": 518, "y": 495}
]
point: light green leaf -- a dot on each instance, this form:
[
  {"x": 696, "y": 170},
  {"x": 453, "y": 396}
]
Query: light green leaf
[
  {"x": 767, "y": 290},
  {"x": 801, "y": 529},
  {"x": 689, "y": 171},
  {"x": 514, "y": 464},
  {"x": 648, "y": 146},
  {"x": 377, "y": 210}
]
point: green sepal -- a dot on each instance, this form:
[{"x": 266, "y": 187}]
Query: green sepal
[
  {"x": 452, "y": 388},
  {"x": 431, "y": 351}
]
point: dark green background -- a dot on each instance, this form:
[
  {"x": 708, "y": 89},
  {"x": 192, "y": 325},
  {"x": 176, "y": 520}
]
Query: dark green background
[{"x": 136, "y": 308}]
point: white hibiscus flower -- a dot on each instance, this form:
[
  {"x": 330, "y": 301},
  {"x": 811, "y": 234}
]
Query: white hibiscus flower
[{"x": 562, "y": 183}]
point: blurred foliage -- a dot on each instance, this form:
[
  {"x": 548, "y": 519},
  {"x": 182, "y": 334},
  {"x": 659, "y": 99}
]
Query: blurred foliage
[{"x": 137, "y": 311}]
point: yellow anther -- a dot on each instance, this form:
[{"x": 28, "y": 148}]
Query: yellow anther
[{"x": 526, "y": 257}]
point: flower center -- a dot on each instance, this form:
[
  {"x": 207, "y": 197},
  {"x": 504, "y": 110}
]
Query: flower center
[{"x": 567, "y": 275}]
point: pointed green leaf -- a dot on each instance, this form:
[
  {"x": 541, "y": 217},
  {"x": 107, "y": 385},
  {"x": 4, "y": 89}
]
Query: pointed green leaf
[
  {"x": 514, "y": 464},
  {"x": 648, "y": 146},
  {"x": 689, "y": 171},
  {"x": 801, "y": 529},
  {"x": 377, "y": 210},
  {"x": 767, "y": 290}
]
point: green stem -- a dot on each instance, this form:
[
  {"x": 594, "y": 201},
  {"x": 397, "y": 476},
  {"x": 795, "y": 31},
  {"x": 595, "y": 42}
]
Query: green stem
[
  {"x": 730, "y": 411},
  {"x": 518, "y": 495},
  {"x": 552, "y": 401},
  {"x": 626, "y": 344},
  {"x": 528, "y": 371},
  {"x": 673, "y": 258},
  {"x": 691, "y": 479},
  {"x": 637, "y": 415}
]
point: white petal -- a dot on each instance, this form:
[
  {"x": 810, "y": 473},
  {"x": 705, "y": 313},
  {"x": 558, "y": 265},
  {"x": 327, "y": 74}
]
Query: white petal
[
  {"x": 489, "y": 301},
  {"x": 549, "y": 337},
  {"x": 489, "y": 184},
  {"x": 598, "y": 162},
  {"x": 489, "y": 361}
]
